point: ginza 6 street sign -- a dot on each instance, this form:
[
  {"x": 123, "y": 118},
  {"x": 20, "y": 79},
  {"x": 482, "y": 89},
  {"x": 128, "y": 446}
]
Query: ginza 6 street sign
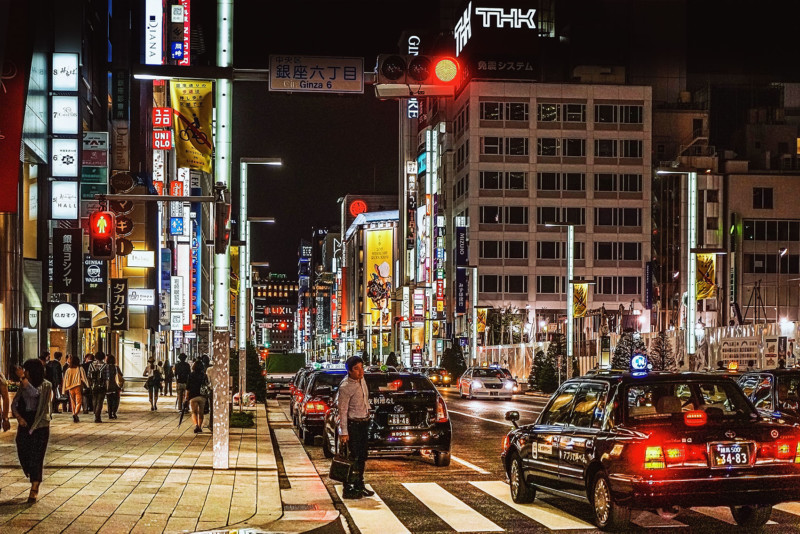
[{"x": 315, "y": 74}]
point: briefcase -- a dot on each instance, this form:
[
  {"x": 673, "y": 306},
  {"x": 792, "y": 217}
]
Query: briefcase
[{"x": 342, "y": 466}]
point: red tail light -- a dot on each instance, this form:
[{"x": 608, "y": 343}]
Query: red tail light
[
  {"x": 695, "y": 418},
  {"x": 441, "y": 411},
  {"x": 316, "y": 406},
  {"x": 506, "y": 442}
]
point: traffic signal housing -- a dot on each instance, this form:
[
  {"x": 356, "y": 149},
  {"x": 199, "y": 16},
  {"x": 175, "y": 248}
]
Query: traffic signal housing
[
  {"x": 408, "y": 76},
  {"x": 102, "y": 235},
  {"x": 222, "y": 221}
]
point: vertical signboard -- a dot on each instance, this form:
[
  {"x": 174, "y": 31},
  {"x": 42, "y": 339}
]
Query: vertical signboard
[
  {"x": 67, "y": 254},
  {"x": 118, "y": 304},
  {"x": 462, "y": 290},
  {"x": 192, "y": 101},
  {"x": 95, "y": 281},
  {"x": 462, "y": 250},
  {"x": 378, "y": 273},
  {"x": 153, "y": 32},
  {"x": 648, "y": 285}
]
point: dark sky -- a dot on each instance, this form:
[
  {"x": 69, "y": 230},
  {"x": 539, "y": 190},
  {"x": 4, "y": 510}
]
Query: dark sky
[{"x": 331, "y": 145}]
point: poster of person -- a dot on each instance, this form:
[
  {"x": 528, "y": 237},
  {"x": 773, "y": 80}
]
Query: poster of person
[{"x": 378, "y": 273}]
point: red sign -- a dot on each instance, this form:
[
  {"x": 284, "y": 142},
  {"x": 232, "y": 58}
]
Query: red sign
[
  {"x": 440, "y": 290},
  {"x": 357, "y": 207},
  {"x": 176, "y": 188},
  {"x": 186, "y": 33},
  {"x": 159, "y": 186},
  {"x": 94, "y": 158},
  {"x": 162, "y": 139},
  {"x": 162, "y": 117}
]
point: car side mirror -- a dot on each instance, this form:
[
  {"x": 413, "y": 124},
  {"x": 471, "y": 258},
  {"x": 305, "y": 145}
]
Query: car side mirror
[{"x": 513, "y": 416}]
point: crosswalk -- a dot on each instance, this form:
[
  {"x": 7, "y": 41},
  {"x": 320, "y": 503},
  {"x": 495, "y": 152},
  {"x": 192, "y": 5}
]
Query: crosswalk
[{"x": 486, "y": 506}]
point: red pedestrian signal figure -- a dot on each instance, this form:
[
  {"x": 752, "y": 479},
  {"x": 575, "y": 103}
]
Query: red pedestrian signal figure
[{"x": 102, "y": 236}]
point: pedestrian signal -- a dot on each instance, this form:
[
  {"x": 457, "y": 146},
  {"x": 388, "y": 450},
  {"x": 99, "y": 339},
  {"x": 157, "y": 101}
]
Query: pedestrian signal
[{"x": 102, "y": 235}]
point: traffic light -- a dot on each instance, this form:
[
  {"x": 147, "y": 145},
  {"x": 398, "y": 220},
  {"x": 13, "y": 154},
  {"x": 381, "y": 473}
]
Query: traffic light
[
  {"x": 222, "y": 221},
  {"x": 407, "y": 76},
  {"x": 102, "y": 238}
]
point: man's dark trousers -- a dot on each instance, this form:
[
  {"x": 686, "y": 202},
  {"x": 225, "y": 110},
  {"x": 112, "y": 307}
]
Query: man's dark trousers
[
  {"x": 98, "y": 396},
  {"x": 357, "y": 449}
]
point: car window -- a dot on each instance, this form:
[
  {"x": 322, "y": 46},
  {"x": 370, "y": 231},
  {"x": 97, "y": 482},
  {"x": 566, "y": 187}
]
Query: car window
[
  {"x": 588, "y": 407},
  {"x": 487, "y": 373},
  {"x": 788, "y": 392},
  {"x": 331, "y": 380},
  {"x": 762, "y": 393},
  {"x": 391, "y": 382},
  {"x": 559, "y": 410},
  {"x": 659, "y": 401}
]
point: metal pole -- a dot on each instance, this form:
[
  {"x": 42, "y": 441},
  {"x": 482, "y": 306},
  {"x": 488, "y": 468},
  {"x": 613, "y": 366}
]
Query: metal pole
[
  {"x": 691, "y": 271},
  {"x": 474, "y": 330},
  {"x": 570, "y": 266},
  {"x": 244, "y": 252}
]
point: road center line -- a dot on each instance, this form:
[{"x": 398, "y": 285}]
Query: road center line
[
  {"x": 504, "y": 423},
  {"x": 471, "y": 466}
]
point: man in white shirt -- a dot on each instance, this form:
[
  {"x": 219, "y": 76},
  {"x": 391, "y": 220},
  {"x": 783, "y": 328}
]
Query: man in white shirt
[{"x": 354, "y": 421}]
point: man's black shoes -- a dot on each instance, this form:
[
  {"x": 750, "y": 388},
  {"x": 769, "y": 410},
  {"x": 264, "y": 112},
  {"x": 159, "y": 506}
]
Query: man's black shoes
[
  {"x": 352, "y": 494},
  {"x": 367, "y": 493}
]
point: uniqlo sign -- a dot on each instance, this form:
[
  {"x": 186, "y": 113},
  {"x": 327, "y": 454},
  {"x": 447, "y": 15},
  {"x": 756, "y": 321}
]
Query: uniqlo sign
[
  {"x": 162, "y": 117},
  {"x": 162, "y": 139}
]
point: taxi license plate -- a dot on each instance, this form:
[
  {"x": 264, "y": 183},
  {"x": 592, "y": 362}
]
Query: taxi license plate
[
  {"x": 398, "y": 419},
  {"x": 730, "y": 454},
  {"x": 495, "y": 393}
]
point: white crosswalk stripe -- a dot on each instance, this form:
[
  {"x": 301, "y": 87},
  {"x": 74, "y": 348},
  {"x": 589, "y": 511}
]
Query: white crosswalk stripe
[
  {"x": 371, "y": 515},
  {"x": 721, "y": 513},
  {"x": 450, "y": 509}
]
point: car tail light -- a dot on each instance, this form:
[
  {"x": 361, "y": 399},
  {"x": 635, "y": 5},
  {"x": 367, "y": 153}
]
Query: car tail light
[
  {"x": 506, "y": 442},
  {"x": 695, "y": 418},
  {"x": 785, "y": 450},
  {"x": 654, "y": 458},
  {"x": 797, "y": 454},
  {"x": 675, "y": 453},
  {"x": 316, "y": 406},
  {"x": 441, "y": 411}
]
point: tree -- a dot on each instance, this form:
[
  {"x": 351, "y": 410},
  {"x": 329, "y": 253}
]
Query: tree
[
  {"x": 627, "y": 345},
  {"x": 255, "y": 381},
  {"x": 544, "y": 369},
  {"x": 453, "y": 361},
  {"x": 661, "y": 355}
]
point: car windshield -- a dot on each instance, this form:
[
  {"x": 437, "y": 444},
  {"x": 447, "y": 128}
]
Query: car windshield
[
  {"x": 487, "y": 373},
  {"x": 392, "y": 382},
  {"x": 659, "y": 401},
  {"x": 328, "y": 380},
  {"x": 788, "y": 386}
]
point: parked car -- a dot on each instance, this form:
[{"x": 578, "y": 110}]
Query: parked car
[
  {"x": 775, "y": 392},
  {"x": 486, "y": 382},
  {"x": 320, "y": 388},
  {"x": 296, "y": 391},
  {"x": 654, "y": 441},
  {"x": 278, "y": 384},
  {"x": 409, "y": 416}
]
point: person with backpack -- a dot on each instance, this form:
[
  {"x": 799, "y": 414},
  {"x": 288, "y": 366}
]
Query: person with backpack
[
  {"x": 87, "y": 389},
  {"x": 153, "y": 383},
  {"x": 53, "y": 373},
  {"x": 182, "y": 370},
  {"x": 112, "y": 376},
  {"x": 98, "y": 384}
]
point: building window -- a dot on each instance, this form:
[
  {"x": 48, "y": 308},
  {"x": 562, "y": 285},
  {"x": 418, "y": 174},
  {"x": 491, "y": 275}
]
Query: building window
[
  {"x": 548, "y": 113},
  {"x": 630, "y": 114},
  {"x": 517, "y": 181},
  {"x": 631, "y": 148},
  {"x": 516, "y": 284},
  {"x": 758, "y": 230},
  {"x": 548, "y": 181},
  {"x": 517, "y": 146},
  {"x": 605, "y": 182},
  {"x": 517, "y": 250},
  {"x": 548, "y": 250},
  {"x": 604, "y": 216},
  {"x": 712, "y": 195},
  {"x": 516, "y": 215},
  {"x": 630, "y": 183},
  {"x": 575, "y": 112},
  {"x": 575, "y": 147},
  {"x": 549, "y": 284},
  {"x": 605, "y": 148},
  {"x": 490, "y": 215},
  {"x": 604, "y": 250},
  {"x": 491, "y": 111},
  {"x": 491, "y": 145},
  {"x": 490, "y": 249},
  {"x": 618, "y": 285},
  {"x": 576, "y": 216},
  {"x": 630, "y": 216},
  {"x": 517, "y": 111},
  {"x": 630, "y": 251},
  {"x": 491, "y": 180},
  {"x": 546, "y": 214},
  {"x": 489, "y": 283},
  {"x": 548, "y": 146},
  {"x": 712, "y": 223},
  {"x": 605, "y": 113},
  {"x": 574, "y": 181},
  {"x": 762, "y": 198}
]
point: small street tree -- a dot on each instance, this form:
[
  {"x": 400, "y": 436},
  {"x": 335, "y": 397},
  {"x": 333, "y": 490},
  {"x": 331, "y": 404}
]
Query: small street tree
[
  {"x": 544, "y": 371},
  {"x": 627, "y": 345},
  {"x": 453, "y": 361},
  {"x": 661, "y": 355}
]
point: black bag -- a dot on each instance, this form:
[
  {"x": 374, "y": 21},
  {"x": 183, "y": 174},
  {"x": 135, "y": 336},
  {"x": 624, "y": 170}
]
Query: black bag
[
  {"x": 96, "y": 378},
  {"x": 342, "y": 467}
]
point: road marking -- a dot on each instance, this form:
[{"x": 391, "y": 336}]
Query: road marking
[
  {"x": 504, "y": 423},
  {"x": 541, "y": 512},
  {"x": 471, "y": 466},
  {"x": 450, "y": 509},
  {"x": 371, "y": 515},
  {"x": 789, "y": 507},
  {"x": 720, "y": 513}
]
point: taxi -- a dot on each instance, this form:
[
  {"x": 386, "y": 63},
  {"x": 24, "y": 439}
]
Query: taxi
[
  {"x": 486, "y": 382},
  {"x": 437, "y": 375},
  {"x": 774, "y": 392},
  {"x": 634, "y": 439}
]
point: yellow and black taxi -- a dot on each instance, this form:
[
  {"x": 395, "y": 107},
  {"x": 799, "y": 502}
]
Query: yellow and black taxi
[
  {"x": 438, "y": 376},
  {"x": 774, "y": 392},
  {"x": 633, "y": 439},
  {"x": 409, "y": 416}
]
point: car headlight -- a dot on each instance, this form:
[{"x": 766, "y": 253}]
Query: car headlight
[
  {"x": 509, "y": 385},
  {"x": 477, "y": 383}
]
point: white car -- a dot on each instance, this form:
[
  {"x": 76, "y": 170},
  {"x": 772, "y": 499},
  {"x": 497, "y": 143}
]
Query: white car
[{"x": 485, "y": 382}]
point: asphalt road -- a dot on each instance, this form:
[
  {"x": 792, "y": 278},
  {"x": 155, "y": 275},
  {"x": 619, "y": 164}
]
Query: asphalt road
[{"x": 412, "y": 495}]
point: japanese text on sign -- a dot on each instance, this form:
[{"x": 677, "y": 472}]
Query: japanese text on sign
[
  {"x": 316, "y": 74},
  {"x": 162, "y": 117}
]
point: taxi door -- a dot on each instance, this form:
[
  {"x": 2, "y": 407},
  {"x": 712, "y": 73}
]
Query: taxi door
[
  {"x": 546, "y": 438},
  {"x": 578, "y": 441}
]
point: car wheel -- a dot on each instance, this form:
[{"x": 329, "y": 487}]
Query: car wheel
[
  {"x": 521, "y": 492},
  {"x": 607, "y": 514},
  {"x": 470, "y": 395},
  {"x": 441, "y": 458},
  {"x": 327, "y": 452},
  {"x": 308, "y": 437},
  {"x": 751, "y": 517}
]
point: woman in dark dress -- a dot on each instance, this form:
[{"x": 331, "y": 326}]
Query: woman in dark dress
[
  {"x": 194, "y": 391},
  {"x": 32, "y": 409}
]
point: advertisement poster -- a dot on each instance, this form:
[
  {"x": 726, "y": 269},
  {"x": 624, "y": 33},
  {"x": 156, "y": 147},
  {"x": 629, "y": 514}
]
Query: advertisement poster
[
  {"x": 192, "y": 101},
  {"x": 706, "y": 281},
  {"x": 580, "y": 296},
  {"x": 378, "y": 274},
  {"x": 481, "y": 315}
]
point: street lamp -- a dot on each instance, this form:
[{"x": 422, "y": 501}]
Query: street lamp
[
  {"x": 570, "y": 268},
  {"x": 781, "y": 254}
]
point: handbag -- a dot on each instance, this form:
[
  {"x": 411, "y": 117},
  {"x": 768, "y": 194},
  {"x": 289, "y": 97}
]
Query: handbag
[
  {"x": 205, "y": 389},
  {"x": 342, "y": 466}
]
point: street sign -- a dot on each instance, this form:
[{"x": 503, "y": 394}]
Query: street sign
[
  {"x": 315, "y": 74},
  {"x": 124, "y": 226},
  {"x": 123, "y": 182},
  {"x": 121, "y": 207}
]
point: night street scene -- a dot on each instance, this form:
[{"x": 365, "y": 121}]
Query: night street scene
[{"x": 381, "y": 267}]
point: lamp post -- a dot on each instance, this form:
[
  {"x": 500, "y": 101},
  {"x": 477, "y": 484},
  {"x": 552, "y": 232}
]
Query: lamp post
[
  {"x": 570, "y": 268},
  {"x": 781, "y": 254}
]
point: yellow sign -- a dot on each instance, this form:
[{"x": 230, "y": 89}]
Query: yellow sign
[
  {"x": 481, "y": 314},
  {"x": 706, "y": 276},
  {"x": 193, "y": 102},
  {"x": 378, "y": 274},
  {"x": 580, "y": 299}
]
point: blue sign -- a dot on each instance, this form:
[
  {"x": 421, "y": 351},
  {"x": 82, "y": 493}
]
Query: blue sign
[
  {"x": 461, "y": 290},
  {"x": 176, "y": 225},
  {"x": 177, "y": 50},
  {"x": 462, "y": 252}
]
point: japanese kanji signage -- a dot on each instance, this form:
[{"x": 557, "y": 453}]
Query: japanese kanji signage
[
  {"x": 67, "y": 260},
  {"x": 118, "y": 304},
  {"x": 312, "y": 74}
]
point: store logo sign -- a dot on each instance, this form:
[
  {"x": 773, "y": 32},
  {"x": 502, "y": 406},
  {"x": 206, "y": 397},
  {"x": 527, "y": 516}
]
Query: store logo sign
[
  {"x": 491, "y": 17},
  {"x": 65, "y": 315}
]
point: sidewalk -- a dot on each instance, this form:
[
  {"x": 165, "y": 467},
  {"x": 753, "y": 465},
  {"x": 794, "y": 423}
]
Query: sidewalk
[{"x": 141, "y": 473}]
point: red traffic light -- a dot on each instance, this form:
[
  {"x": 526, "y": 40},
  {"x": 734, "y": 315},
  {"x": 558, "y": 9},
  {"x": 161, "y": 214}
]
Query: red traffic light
[
  {"x": 405, "y": 76},
  {"x": 282, "y": 326},
  {"x": 445, "y": 69}
]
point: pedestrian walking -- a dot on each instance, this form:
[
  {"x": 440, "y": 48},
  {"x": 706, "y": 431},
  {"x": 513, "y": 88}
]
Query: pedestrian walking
[
  {"x": 168, "y": 376},
  {"x": 112, "y": 375},
  {"x": 98, "y": 384},
  {"x": 75, "y": 381},
  {"x": 182, "y": 370},
  {"x": 195, "y": 385},
  {"x": 32, "y": 408},
  {"x": 153, "y": 383},
  {"x": 53, "y": 374},
  {"x": 88, "y": 406},
  {"x": 353, "y": 403}
]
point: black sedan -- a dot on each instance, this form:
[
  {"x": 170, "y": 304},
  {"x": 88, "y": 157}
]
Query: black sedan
[
  {"x": 775, "y": 392},
  {"x": 320, "y": 388},
  {"x": 655, "y": 441},
  {"x": 408, "y": 417}
]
